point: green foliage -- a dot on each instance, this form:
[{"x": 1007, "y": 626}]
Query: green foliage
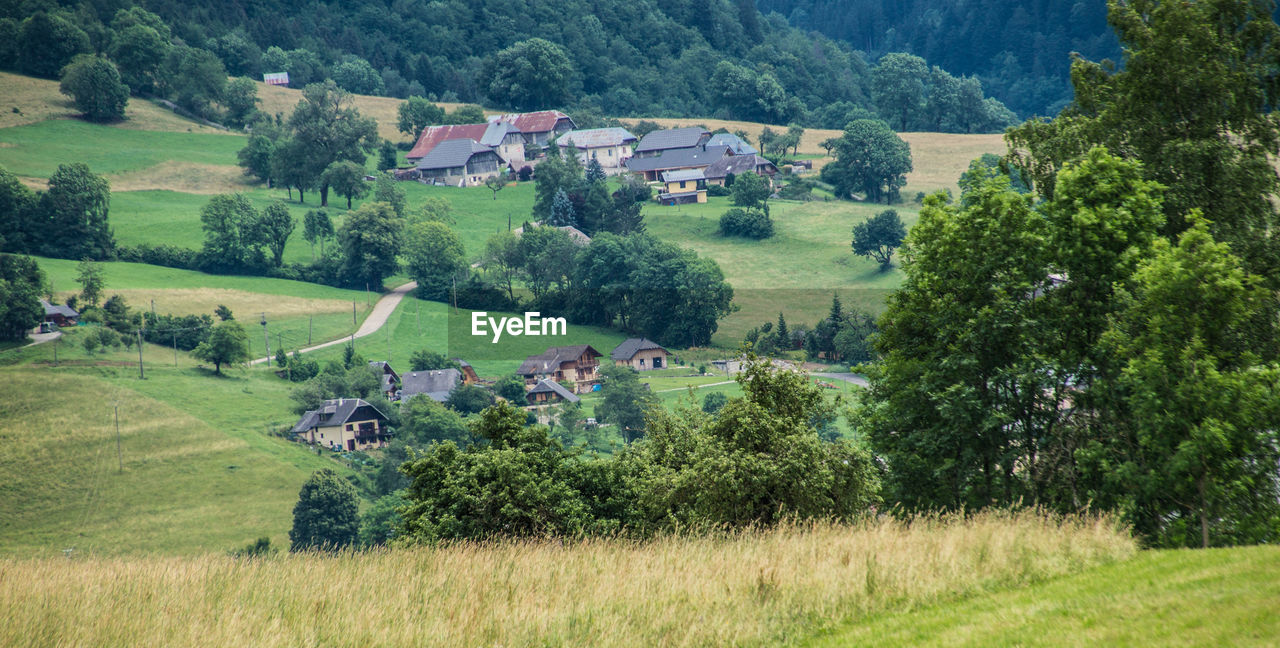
[
  {"x": 240, "y": 98},
  {"x": 387, "y": 156},
  {"x": 1195, "y": 465},
  {"x": 89, "y": 276},
  {"x": 748, "y": 223},
  {"x": 878, "y": 236},
  {"x": 424, "y": 421},
  {"x": 713, "y": 402},
  {"x": 255, "y": 157},
  {"x": 381, "y": 522},
  {"x": 74, "y": 213},
  {"x": 316, "y": 226},
  {"x": 752, "y": 191},
  {"x": 416, "y": 114},
  {"x": 193, "y": 78},
  {"x": 870, "y": 158},
  {"x": 274, "y": 226},
  {"x": 555, "y": 174},
  {"x": 469, "y": 399},
  {"x": 897, "y": 88},
  {"x": 47, "y": 43},
  {"x": 533, "y": 74},
  {"x": 624, "y": 401},
  {"x": 562, "y": 213},
  {"x": 94, "y": 85},
  {"x": 357, "y": 76},
  {"x": 228, "y": 343},
  {"x": 327, "y": 128},
  {"x": 385, "y": 190},
  {"x": 757, "y": 461},
  {"x": 434, "y": 257},
  {"x": 346, "y": 178},
  {"x": 138, "y": 51},
  {"x": 18, "y": 214},
  {"x": 327, "y": 515},
  {"x": 371, "y": 238},
  {"x": 510, "y": 387},
  {"x": 21, "y": 286},
  {"x": 232, "y": 234},
  {"x": 428, "y": 360}
]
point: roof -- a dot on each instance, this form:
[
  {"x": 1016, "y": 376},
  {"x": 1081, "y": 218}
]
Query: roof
[
  {"x": 495, "y": 132},
  {"x": 552, "y": 358},
  {"x": 551, "y": 386},
  {"x": 672, "y": 138},
  {"x": 737, "y": 165},
  {"x": 683, "y": 174},
  {"x": 596, "y": 138},
  {"x": 735, "y": 143},
  {"x": 452, "y": 153},
  {"x": 678, "y": 159},
  {"x": 61, "y": 309},
  {"x": 576, "y": 235},
  {"x": 432, "y": 136},
  {"x": 436, "y": 384},
  {"x": 631, "y": 346},
  {"x": 541, "y": 121},
  {"x": 334, "y": 412}
]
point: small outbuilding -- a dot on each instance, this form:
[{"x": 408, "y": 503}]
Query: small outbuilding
[
  {"x": 549, "y": 391},
  {"x": 640, "y": 354},
  {"x": 60, "y": 314},
  {"x": 437, "y": 384}
]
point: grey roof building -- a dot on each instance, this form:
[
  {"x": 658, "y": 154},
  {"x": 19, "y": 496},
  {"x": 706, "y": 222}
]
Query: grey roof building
[
  {"x": 437, "y": 384},
  {"x": 738, "y": 165},
  {"x": 547, "y": 391},
  {"x": 631, "y": 346},
  {"x": 672, "y": 138},
  {"x": 735, "y": 143},
  {"x": 453, "y": 153},
  {"x": 688, "y": 158},
  {"x": 596, "y": 138}
]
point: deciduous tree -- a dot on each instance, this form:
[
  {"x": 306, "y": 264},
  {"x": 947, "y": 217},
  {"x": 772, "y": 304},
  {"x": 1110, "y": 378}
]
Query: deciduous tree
[
  {"x": 878, "y": 237},
  {"x": 228, "y": 344},
  {"x": 327, "y": 515},
  {"x": 94, "y": 85}
]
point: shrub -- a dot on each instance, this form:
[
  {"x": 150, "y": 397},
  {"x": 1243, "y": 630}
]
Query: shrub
[
  {"x": 748, "y": 223},
  {"x": 718, "y": 191}
]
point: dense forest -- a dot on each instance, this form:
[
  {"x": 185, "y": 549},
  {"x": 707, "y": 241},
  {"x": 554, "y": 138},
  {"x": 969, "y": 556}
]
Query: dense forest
[
  {"x": 1019, "y": 50},
  {"x": 620, "y": 58}
]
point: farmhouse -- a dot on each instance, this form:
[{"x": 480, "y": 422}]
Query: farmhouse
[
  {"x": 717, "y": 171},
  {"x": 676, "y": 159},
  {"x": 735, "y": 143},
  {"x": 576, "y": 235},
  {"x": 537, "y": 128},
  {"x": 611, "y": 147},
  {"x": 574, "y": 364},
  {"x": 640, "y": 354},
  {"x": 388, "y": 379},
  {"x": 658, "y": 142},
  {"x": 459, "y": 163},
  {"x": 60, "y": 314},
  {"x": 469, "y": 376},
  {"x": 549, "y": 391},
  {"x": 437, "y": 384},
  {"x": 344, "y": 424},
  {"x": 683, "y": 186}
]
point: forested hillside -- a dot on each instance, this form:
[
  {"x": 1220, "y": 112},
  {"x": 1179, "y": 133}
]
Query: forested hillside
[
  {"x": 674, "y": 58},
  {"x": 1020, "y": 50}
]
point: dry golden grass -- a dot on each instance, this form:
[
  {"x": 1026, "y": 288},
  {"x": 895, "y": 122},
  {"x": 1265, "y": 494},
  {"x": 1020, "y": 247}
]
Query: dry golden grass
[
  {"x": 759, "y": 588},
  {"x": 278, "y": 99},
  {"x": 39, "y": 99},
  {"x": 938, "y": 158},
  {"x": 187, "y": 177},
  {"x": 247, "y": 305}
]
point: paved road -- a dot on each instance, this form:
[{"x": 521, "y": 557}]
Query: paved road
[
  {"x": 41, "y": 338},
  {"x": 381, "y": 311}
]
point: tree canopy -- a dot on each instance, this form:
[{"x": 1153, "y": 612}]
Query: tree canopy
[{"x": 870, "y": 158}]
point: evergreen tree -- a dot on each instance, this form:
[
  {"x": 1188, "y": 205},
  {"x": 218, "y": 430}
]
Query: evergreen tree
[{"x": 562, "y": 211}]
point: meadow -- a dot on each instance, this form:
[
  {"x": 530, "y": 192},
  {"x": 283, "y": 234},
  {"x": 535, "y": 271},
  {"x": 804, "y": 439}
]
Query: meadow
[{"x": 751, "y": 588}]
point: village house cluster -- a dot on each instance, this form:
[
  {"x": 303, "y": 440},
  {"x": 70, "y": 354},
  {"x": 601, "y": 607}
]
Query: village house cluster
[
  {"x": 555, "y": 375},
  {"x": 683, "y": 160}
]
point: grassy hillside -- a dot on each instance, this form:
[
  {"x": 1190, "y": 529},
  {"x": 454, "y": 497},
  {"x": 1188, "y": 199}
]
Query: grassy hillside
[
  {"x": 199, "y": 474},
  {"x": 1216, "y": 597},
  {"x": 27, "y": 100},
  {"x": 282, "y": 100},
  {"x": 750, "y": 589}
]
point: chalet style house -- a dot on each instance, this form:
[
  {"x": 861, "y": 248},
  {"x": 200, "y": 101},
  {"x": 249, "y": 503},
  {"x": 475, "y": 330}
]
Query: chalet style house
[
  {"x": 683, "y": 186},
  {"x": 735, "y": 144},
  {"x": 717, "y": 171},
  {"x": 436, "y": 384},
  {"x": 640, "y": 354},
  {"x": 576, "y": 364},
  {"x": 682, "y": 159},
  {"x": 611, "y": 147},
  {"x": 388, "y": 379},
  {"x": 547, "y": 392},
  {"x": 502, "y": 138},
  {"x": 459, "y": 163},
  {"x": 344, "y": 424},
  {"x": 658, "y": 142},
  {"x": 537, "y": 128}
]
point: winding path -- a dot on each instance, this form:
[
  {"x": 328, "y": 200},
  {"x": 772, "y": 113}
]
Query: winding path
[{"x": 381, "y": 311}]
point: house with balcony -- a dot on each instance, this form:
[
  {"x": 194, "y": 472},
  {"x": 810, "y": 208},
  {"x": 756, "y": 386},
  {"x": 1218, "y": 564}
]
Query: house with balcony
[
  {"x": 578, "y": 365},
  {"x": 344, "y": 424}
]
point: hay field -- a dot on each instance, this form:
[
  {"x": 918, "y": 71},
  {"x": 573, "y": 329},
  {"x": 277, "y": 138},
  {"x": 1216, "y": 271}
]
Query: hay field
[
  {"x": 279, "y": 99},
  {"x": 38, "y": 99},
  {"x": 749, "y": 589}
]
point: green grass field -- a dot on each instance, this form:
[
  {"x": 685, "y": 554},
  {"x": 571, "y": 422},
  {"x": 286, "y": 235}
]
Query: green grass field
[
  {"x": 1215, "y": 597},
  {"x": 36, "y": 150}
]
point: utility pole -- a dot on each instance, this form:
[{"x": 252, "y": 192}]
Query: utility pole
[
  {"x": 119, "y": 455},
  {"x": 175, "y": 347},
  {"x": 417, "y": 316},
  {"x": 309, "y": 321},
  {"x": 55, "y": 350},
  {"x": 353, "y": 312},
  {"x": 266, "y": 338},
  {"x": 141, "y": 372}
]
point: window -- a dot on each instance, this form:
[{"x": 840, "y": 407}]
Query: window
[{"x": 682, "y": 184}]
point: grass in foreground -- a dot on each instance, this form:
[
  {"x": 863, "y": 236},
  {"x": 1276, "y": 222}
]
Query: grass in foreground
[
  {"x": 760, "y": 588},
  {"x": 1218, "y": 597}
]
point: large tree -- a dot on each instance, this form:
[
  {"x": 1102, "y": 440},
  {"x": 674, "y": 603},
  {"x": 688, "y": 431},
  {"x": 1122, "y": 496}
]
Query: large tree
[
  {"x": 346, "y": 178},
  {"x": 47, "y": 43},
  {"x": 327, "y": 128},
  {"x": 1193, "y": 102},
  {"x": 533, "y": 74},
  {"x": 327, "y": 515},
  {"x": 870, "y": 158},
  {"x": 878, "y": 237},
  {"x": 624, "y": 401},
  {"x": 898, "y": 88},
  {"x": 228, "y": 343},
  {"x": 21, "y": 286},
  {"x": 415, "y": 114},
  {"x": 274, "y": 226},
  {"x": 138, "y": 51},
  {"x": 94, "y": 85},
  {"x": 74, "y": 211},
  {"x": 434, "y": 257},
  {"x": 231, "y": 234},
  {"x": 19, "y": 214},
  {"x": 371, "y": 238}
]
